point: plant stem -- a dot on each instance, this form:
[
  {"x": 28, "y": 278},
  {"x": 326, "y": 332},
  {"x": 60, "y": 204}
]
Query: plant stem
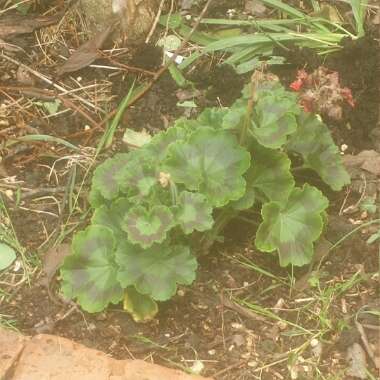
[{"x": 208, "y": 239}]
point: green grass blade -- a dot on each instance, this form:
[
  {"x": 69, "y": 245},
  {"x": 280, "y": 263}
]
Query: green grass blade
[
  {"x": 359, "y": 11},
  {"x": 47, "y": 138},
  {"x": 279, "y": 5},
  {"x": 106, "y": 140}
]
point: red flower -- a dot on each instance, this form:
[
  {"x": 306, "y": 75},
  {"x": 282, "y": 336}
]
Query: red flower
[
  {"x": 296, "y": 85},
  {"x": 347, "y": 96},
  {"x": 302, "y": 76}
]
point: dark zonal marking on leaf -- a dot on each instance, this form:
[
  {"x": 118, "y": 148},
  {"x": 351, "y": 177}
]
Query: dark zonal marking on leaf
[
  {"x": 211, "y": 162},
  {"x": 194, "y": 212},
  {"x": 113, "y": 216},
  {"x": 270, "y": 173},
  {"x": 106, "y": 176},
  {"x": 147, "y": 227},
  {"x": 314, "y": 143},
  {"x": 86, "y": 53},
  {"x": 89, "y": 274},
  {"x": 291, "y": 228},
  {"x": 139, "y": 174},
  {"x": 155, "y": 271}
]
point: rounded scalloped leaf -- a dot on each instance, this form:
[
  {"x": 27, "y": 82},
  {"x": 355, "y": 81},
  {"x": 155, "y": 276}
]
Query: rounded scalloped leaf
[
  {"x": 157, "y": 270},
  {"x": 145, "y": 227},
  {"x": 314, "y": 143},
  {"x": 193, "y": 212},
  {"x": 211, "y": 162},
  {"x": 95, "y": 198},
  {"x": 89, "y": 273},
  {"x": 235, "y": 115},
  {"x": 292, "y": 227},
  {"x": 138, "y": 176},
  {"x": 157, "y": 148},
  {"x": 106, "y": 176},
  {"x": 275, "y": 119},
  {"x": 270, "y": 174},
  {"x": 141, "y": 307},
  {"x": 113, "y": 216},
  {"x": 212, "y": 117},
  {"x": 245, "y": 202}
]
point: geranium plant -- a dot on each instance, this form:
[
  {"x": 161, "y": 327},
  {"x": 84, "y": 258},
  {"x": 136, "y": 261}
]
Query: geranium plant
[{"x": 189, "y": 181}]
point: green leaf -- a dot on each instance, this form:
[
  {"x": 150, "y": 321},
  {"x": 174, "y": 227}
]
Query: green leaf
[
  {"x": 138, "y": 176},
  {"x": 145, "y": 227},
  {"x": 136, "y": 139},
  {"x": 155, "y": 271},
  {"x": 292, "y": 227},
  {"x": 270, "y": 174},
  {"x": 212, "y": 117},
  {"x": 159, "y": 144},
  {"x": 7, "y": 256},
  {"x": 274, "y": 118},
  {"x": 246, "y": 201},
  {"x": 194, "y": 212},
  {"x": 106, "y": 176},
  {"x": 314, "y": 143},
  {"x": 95, "y": 198},
  {"x": 113, "y": 216},
  {"x": 142, "y": 307},
  {"x": 211, "y": 162},
  {"x": 235, "y": 115},
  {"x": 89, "y": 273}
]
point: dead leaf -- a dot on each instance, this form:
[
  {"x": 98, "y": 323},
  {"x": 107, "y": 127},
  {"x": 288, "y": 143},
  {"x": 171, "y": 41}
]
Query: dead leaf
[
  {"x": 368, "y": 160},
  {"x": 86, "y": 53},
  {"x": 357, "y": 361},
  {"x": 52, "y": 260},
  {"x": 9, "y": 47},
  {"x": 18, "y": 24}
]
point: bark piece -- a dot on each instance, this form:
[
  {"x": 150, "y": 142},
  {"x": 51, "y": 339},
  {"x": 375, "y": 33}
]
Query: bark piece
[{"x": 11, "y": 26}]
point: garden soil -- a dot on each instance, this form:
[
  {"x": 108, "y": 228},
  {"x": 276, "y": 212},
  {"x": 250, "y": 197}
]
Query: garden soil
[{"x": 201, "y": 324}]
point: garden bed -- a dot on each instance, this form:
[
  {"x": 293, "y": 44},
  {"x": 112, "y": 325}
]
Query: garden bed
[{"x": 244, "y": 317}]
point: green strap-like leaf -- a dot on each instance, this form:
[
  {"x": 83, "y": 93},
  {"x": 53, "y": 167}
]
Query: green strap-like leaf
[
  {"x": 105, "y": 180},
  {"x": 113, "y": 216},
  {"x": 142, "y": 307},
  {"x": 291, "y": 228},
  {"x": 194, "y": 212},
  {"x": 145, "y": 227},
  {"x": 314, "y": 143},
  {"x": 157, "y": 270},
  {"x": 270, "y": 174},
  {"x": 89, "y": 273},
  {"x": 211, "y": 162}
]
